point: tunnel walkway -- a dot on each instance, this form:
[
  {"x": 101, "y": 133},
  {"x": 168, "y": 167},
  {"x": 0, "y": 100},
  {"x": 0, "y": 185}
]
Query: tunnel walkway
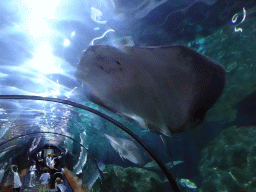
[
  {"x": 72, "y": 183},
  {"x": 25, "y": 183},
  {"x": 32, "y": 189}
]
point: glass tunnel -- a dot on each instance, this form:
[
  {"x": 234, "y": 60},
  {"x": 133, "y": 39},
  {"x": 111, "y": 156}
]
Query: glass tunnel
[
  {"x": 82, "y": 137},
  {"x": 127, "y": 96}
]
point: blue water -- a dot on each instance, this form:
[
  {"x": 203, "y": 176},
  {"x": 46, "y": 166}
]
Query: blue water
[{"x": 41, "y": 45}]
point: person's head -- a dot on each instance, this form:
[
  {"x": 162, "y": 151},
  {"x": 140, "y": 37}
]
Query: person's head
[
  {"x": 58, "y": 180},
  {"x": 49, "y": 154},
  {"x": 56, "y": 161},
  {"x": 45, "y": 169},
  {"x": 34, "y": 162},
  {"x": 15, "y": 168}
]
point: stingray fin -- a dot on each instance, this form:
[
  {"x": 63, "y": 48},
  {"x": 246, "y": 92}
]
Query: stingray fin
[
  {"x": 164, "y": 130},
  {"x": 99, "y": 102}
]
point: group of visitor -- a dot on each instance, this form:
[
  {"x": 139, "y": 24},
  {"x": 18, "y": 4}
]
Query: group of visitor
[
  {"x": 50, "y": 180},
  {"x": 45, "y": 181}
]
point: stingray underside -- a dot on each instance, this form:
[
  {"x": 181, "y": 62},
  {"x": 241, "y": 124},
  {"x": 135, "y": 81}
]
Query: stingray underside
[{"x": 165, "y": 89}]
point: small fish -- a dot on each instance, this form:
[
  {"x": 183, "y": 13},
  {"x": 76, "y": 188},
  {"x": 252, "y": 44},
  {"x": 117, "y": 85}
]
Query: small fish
[
  {"x": 126, "y": 149},
  {"x": 35, "y": 143},
  {"x": 1, "y": 174},
  {"x": 96, "y": 175},
  {"x": 232, "y": 176},
  {"x": 154, "y": 166},
  {"x": 144, "y": 131},
  {"x": 82, "y": 157},
  {"x": 6, "y": 150},
  {"x": 10, "y": 148},
  {"x": 171, "y": 164},
  {"x": 3, "y": 153},
  {"x": 187, "y": 183}
]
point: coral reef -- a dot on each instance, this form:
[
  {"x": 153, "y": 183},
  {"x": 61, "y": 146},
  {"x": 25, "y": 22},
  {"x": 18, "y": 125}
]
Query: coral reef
[
  {"x": 129, "y": 179},
  {"x": 229, "y": 161}
]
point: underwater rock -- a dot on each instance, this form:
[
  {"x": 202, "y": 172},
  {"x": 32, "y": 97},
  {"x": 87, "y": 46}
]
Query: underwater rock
[
  {"x": 228, "y": 163},
  {"x": 131, "y": 179},
  {"x": 231, "y": 66}
]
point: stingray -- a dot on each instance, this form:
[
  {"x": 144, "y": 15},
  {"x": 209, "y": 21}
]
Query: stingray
[
  {"x": 166, "y": 89},
  {"x": 126, "y": 149}
]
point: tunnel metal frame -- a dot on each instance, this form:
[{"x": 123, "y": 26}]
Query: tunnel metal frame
[{"x": 170, "y": 178}]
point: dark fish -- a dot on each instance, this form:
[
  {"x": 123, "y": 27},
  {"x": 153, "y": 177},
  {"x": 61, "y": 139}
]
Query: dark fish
[
  {"x": 246, "y": 110},
  {"x": 166, "y": 89}
]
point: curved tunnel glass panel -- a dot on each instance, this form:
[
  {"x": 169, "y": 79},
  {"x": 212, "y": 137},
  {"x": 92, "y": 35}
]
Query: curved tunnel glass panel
[
  {"x": 92, "y": 148},
  {"x": 75, "y": 164}
]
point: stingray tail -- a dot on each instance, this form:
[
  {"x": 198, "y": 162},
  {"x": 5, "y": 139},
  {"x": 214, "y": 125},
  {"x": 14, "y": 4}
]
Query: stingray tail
[{"x": 164, "y": 139}]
